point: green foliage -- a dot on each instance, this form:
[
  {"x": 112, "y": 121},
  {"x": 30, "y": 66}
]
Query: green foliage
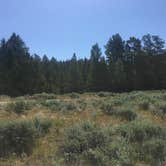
[
  {"x": 59, "y": 105},
  {"x": 155, "y": 151},
  {"x": 125, "y": 145},
  {"x": 105, "y": 94},
  {"x": 44, "y": 96},
  {"x": 51, "y": 104},
  {"x": 110, "y": 103},
  {"x": 82, "y": 137},
  {"x": 132, "y": 49},
  {"x": 19, "y": 106},
  {"x": 137, "y": 131},
  {"x": 74, "y": 95},
  {"x": 42, "y": 125},
  {"x": 119, "y": 76},
  {"x": 125, "y": 114},
  {"x": 108, "y": 107},
  {"x": 130, "y": 65},
  {"x": 114, "y": 48},
  {"x": 88, "y": 142},
  {"x": 82, "y": 104},
  {"x": 16, "y": 137},
  {"x": 162, "y": 108},
  {"x": 115, "y": 153},
  {"x": 115, "y": 106},
  {"x": 20, "y": 136},
  {"x": 97, "y": 70},
  {"x": 152, "y": 44}
]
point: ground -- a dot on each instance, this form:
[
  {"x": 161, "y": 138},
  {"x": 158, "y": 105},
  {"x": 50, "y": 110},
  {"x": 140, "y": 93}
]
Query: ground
[{"x": 65, "y": 111}]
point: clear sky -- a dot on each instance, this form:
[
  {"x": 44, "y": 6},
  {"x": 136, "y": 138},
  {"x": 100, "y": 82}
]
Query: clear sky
[{"x": 61, "y": 27}]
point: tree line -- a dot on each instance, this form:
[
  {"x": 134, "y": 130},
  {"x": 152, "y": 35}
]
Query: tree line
[{"x": 133, "y": 64}]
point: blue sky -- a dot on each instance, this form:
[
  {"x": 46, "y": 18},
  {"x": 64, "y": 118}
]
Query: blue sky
[{"x": 59, "y": 28}]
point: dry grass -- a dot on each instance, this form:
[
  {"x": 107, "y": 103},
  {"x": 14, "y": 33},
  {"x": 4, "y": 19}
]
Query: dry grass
[{"x": 47, "y": 147}]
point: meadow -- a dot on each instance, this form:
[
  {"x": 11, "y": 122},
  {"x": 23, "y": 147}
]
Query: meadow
[{"x": 89, "y": 129}]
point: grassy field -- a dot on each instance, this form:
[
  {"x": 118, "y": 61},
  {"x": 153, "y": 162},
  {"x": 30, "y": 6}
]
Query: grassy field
[{"x": 100, "y": 129}]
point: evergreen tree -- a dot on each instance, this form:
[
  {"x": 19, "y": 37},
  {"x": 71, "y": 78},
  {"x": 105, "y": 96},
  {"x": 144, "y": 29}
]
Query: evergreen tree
[
  {"x": 131, "y": 67},
  {"x": 114, "y": 48},
  {"x": 132, "y": 49},
  {"x": 94, "y": 77},
  {"x": 152, "y": 44},
  {"x": 119, "y": 78},
  {"x": 75, "y": 80}
]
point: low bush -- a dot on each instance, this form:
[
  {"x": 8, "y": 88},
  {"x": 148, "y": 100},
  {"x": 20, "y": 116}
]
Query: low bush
[
  {"x": 59, "y": 105},
  {"x": 147, "y": 141},
  {"x": 83, "y": 137},
  {"x": 118, "y": 101},
  {"x": 82, "y": 104},
  {"x": 51, "y": 104},
  {"x": 97, "y": 157},
  {"x": 107, "y": 108},
  {"x": 94, "y": 145},
  {"x": 115, "y": 153},
  {"x": 44, "y": 96},
  {"x": 96, "y": 103},
  {"x": 154, "y": 152},
  {"x": 20, "y": 136},
  {"x": 16, "y": 137},
  {"x": 125, "y": 145},
  {"x": 42, "y": 125},
  {"x": 74, "y": 95},
  {"x": 161, "y": 107},
  {"x": 137, "y": 131},
  {"x": 125, "y": 114},
  {"x": 68, "y": 106},
  {"x": 19, "y": 106},
  {"x": 105, "y": 94}
]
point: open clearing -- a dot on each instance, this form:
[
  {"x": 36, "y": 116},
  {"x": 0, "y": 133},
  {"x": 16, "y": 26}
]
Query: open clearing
[{"x": 85, "y": 129}]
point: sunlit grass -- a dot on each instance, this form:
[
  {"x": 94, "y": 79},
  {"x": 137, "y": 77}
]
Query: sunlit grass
[{"x": 65, "y": 111}]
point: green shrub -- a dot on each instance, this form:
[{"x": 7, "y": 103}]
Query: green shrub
[
  {"x": 59, "y": 105},
  {"x": 125, "y": 114},
  {"x": 83, "y": 137},
  {"x": 44, "y": 96},
  {"x": 115, "y": 153},
  {"x": 19, "y": 106},
  {"x": 124, "y": 145},
  {"x": 162, "y": 108},
  {"x": 20, "y": 98},
  {"x": 20, "y": 136},
  {"x": 81, "y": 104},
  {"x": 154, "y": 152},
  {"x": 96, "y": 103},
  {"x": 147, "y": 141},
  {"x": 16, "y": 137},
  {"x": 95, "y": 146},
  {"x": 51, "y": 104},
  {"x": 118, "y": 101},
  {"x": 107, "y": 108},
  {"x": 97, "y": 157},
  {"x": 74, "y": 95},
  {"x": 137, "y": 131},
  {"x": 42, "y": 125},
  {"x": 68, "y": 106},
  {"x": 105, "y": 94}
]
